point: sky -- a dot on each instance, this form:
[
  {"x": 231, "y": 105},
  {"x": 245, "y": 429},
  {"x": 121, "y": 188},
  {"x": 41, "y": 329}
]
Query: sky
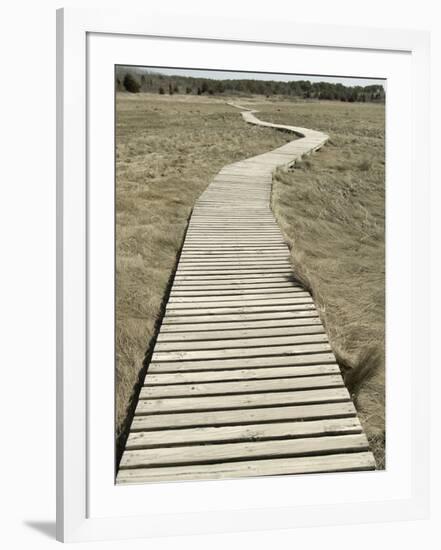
[{"x": 236, "y": 75}]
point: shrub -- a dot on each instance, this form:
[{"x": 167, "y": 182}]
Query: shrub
[{"x": 130, "y": 84}]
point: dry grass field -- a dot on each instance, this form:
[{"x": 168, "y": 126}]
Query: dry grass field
[
  {"x": 167, "y": 150},
  {"x": 330, "y": 208}
]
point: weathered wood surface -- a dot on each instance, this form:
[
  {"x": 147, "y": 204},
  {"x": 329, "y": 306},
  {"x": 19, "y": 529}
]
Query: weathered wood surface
[{"x": 242, "y": 381}]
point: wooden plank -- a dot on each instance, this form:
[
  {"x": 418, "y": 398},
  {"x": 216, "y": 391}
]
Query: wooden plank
[
  {"x": 233, "y": 230},
  {"x": 238, "y": 402},
  {"x": 249, "y": 233},
  {"x": 240, "y": 374},
  {"x": 244, "y": 254},
  {"x": 226, "y": 264},
  {"x": 233, "y": 293},
  {"x": 220, "y": 225},
  {"x": 234, "y": 218},
  {"x": 230, "y": 238},
  {"x": 233, "y": 277},
  {"x": 242, "y": 281},
  {"x": 209, "y": 255},
  {"x": 232, "y": 242},
  {"x": 271, "y": 467},
  {"x": 288, "y": 349},
  {"x": 227, "y": 293},
  {"x": 243, "y": 363},
  {"x": 255, "y": 432},
  {"x": 281, "y": 285},
  {"x": 230, "y": 452},
  {"x": 269, "y": 238},
  {"x": 238, "y": 249},
  {"x": 247, "y": 416},
  {"x": 237, "y": 220},
  {"x": 233, "y": 271},
  {"x": 268, "y": 252},
  {"x": 242, "y": 299},
  {"x": 236, "y": 264},
  {"x": 226, "y": 256},
  {"x": 213, "y": 267},
  {"x": 256, "y": 324},
  {"x": 242, "y": 259},
  {"x": 235, "y": 240},
  {"x": 220, "y": 311},
  {"x": 240, "y": 386},
  {"x": 237, "y": 334},
  {"x": 233, "y": 343},
  {"x": 238, "y": 316},
  {"x": 233, "y": 247},
  {"x": 239, "y": 302},
  {"x": 237, "y": 259}
]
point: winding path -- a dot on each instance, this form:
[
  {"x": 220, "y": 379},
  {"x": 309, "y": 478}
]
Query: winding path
[{"x": 242, "y": 381}]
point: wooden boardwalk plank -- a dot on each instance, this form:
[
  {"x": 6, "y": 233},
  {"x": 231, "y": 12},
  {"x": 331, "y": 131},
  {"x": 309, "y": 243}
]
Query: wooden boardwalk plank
[
  {"x": 238, "y": 402},
  {"x": 240, "y": 342},
  {"x": 282, "y": 466},
  {"x": 241, "y": 386},
  {"x": 164, "y": 378},
  {"x": 239, "y": 302},
  {"x": 238, "y": 333},
  {"x": 230, "y": 452},
  {"x": 252, "y": 432},
  {"x": 256, "y": 351},
  {"x": 286, "y": 321},
  {"x": 233, "y": 294},
  {"x": 294, "y": 312},
  {"x": 238, "y": 311},
  {"x": 247, "y": 416},
  {"x": 312, "y": 358},
  {"x": 252, "y": 286}
]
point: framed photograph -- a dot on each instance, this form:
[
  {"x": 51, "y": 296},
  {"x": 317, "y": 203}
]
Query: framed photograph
[{"x": 242, "y": 275}]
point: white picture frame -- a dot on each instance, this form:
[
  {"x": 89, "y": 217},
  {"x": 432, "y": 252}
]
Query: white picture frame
[{"x": 79, "y": 517}]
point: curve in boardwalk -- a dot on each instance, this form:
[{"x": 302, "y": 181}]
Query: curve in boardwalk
[{"x": 242, "y": 381}]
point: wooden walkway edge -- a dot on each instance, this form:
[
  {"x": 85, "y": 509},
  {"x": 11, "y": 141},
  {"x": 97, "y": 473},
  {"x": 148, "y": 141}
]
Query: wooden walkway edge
[{"x": 242, "y": 381}]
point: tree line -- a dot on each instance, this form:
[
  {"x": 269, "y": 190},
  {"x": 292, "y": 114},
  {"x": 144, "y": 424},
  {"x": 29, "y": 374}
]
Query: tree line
[{"x": 136, "y": 81}]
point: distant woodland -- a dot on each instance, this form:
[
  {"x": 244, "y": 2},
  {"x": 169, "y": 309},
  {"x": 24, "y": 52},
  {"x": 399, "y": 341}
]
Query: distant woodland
[{"x": 135, "y": 80}]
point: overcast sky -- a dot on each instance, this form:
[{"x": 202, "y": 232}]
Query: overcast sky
[{"x": 236, "y": 75}]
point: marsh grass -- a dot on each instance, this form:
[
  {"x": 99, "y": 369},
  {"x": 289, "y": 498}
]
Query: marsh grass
[{"x": 167, "y": 151}]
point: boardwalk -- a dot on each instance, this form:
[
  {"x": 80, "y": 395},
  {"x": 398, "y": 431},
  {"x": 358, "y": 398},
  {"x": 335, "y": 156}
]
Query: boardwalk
[{"x": 242, "y": 381}]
